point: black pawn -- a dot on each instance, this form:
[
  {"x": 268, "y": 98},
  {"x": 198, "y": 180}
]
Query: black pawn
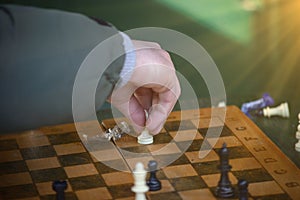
[
  {"x": 59, "y": 187},
  {"x": 224, "y": 188},
  {"x": 243, "y": 189},
  {"x": 153, "y": 183}
]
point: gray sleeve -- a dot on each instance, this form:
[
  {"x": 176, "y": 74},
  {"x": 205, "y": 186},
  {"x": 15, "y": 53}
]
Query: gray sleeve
[{"x": 40, "y": 53}]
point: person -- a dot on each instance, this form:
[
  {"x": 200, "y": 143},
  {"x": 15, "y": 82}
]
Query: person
[{"x": 41, "y": 51}]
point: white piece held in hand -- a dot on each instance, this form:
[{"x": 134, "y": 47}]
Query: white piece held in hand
[
  {"x": 140, "y": 186},
  {"x": 145, "y": 137},
  {"x": 281, "y": 110}
]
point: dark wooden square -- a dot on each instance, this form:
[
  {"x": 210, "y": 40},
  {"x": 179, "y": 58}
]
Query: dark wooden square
[
  {"x": 179, "y": 125},
  {"x": 181, "y": 159},
  {"x": 206, "y": 167},
  {"x": 13, "y": 167},
  {"x": 38, "y": 152},
  {"x": 253, "y": 175},
  {"x": 68, "y": 196},
  {"x": 8, "y": 144},
  {"x": 18, "y": 191},
  {"x": 194, "y": 145},
  {"x": 64, "y": 138},
  {"x": 166, "y": 195},
  {"x": 237, "y": 152},
  {"x": 188, "y": 183},
  {"x": 104, "y": 167},
  {"x": 121, "y": 191},
  {"x": 218, "y": 131},
  {"x": 162, "y": 138},
  {"x": 45, "y": 175},
  {"x": 75, "y": 159},
  {"x": 86, "y": 182}
]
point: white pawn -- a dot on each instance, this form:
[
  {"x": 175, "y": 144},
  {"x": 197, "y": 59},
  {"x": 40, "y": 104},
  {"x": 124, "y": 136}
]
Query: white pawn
[
  {"x": 145, "y": 137},
  {"x": 297, "y": 145},
  {"x": 281, "y": 110},
  {"x": 140, "y": 186}
]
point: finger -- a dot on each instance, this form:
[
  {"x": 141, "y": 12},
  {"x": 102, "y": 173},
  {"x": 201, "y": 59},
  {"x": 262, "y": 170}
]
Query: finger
[
  {"x": 154, "y": 98},
  {"x": 144, "y": 97},
  {"x": 160, "y": 111},
  {"x": 136, "y": 114},
  {"x": 156, "y": 119},
  {"x": 132, "y": 110}
]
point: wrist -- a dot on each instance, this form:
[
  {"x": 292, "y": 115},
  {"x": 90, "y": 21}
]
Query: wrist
[{"x": 130, "y": 60}]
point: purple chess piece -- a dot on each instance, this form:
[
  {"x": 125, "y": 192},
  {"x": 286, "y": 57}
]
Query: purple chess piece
[
  {"x": 261, "y": 103},
  {"x": 59, "y": 187}
]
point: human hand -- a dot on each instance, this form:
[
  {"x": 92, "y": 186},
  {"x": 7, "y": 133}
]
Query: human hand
[{"x": 153, "y": 87}]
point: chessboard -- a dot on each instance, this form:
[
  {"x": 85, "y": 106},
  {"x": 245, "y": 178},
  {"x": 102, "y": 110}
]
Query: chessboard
[{"x": 186, "y": 151}]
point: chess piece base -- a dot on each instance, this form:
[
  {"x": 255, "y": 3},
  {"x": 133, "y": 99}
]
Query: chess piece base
[
  {"x": 297, "y": 146},
  {"x": 143, "y": 140},
  {"x": 154, "y": 186},
  {"x": 145, "y": 137},
  {"x": 224, "y": 192}
]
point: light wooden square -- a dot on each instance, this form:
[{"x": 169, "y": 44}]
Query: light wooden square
[
  {"x": 72, "y": 148},
  {"x": 197, "y": 194},
  {"x": 163, "y": 149},
  {"x": 105, "y": 155},
  {"x": 264, "y": 188},
  {"x": 185, "y": 135},
  {"x": 196, "y": 156},
  {"x": 145, "y": 160},
  {"x": 93, "y": 194},
  {"x": 42, "y": 163},
  {"x": 178, "y": 171},
  {"x": 45, "y": 188},
  {"x": 166, "y": 186},
  {"x": 212, "y": 179},
  {"x": 33, "y": 140},
  {"x": 231, "y": 141},
  {"x": 11, "y": 155},
  {"x": 117, "y": 178},
  {"x": 240, "y": 164},
  {"x": 15, "y": 179},
  {"x": 81, "y": 170}
]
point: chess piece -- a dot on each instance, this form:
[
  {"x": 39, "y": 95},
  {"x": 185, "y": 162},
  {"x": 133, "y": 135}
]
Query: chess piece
[
  {"x": 153, "y": 183},
  {"x": 59, "y": 187},
  {"x": 140, "y": 187},
  {"x": 224, "y": 188},
  {"x": 117, "y": 131},
  {"x": 261, "y": 103},
  {"x": 221, "y": 104},
  {"x": 297, "y": 145},
  {"x": 145, "y": 137},
  {"x": 251, "y": 6},
  {"x": 281, "y": 110},
  {"x": 243, "y": 189}
]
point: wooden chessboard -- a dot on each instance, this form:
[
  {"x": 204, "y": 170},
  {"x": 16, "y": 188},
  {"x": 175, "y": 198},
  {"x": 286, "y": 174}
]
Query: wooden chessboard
[{"x": 31, "y": 161}]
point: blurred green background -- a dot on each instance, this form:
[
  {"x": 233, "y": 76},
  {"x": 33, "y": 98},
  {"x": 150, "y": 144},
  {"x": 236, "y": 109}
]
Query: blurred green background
[{"x": 254, "y": 43}]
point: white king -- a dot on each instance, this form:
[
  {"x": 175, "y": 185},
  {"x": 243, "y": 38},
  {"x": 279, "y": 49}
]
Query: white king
[
  {"x": 281, "y": 110},
  {"x": 140, "y": 187}
]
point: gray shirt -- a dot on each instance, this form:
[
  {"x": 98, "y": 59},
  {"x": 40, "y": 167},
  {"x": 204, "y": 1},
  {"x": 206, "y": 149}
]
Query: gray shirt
[{"x": 40, "y": 53}]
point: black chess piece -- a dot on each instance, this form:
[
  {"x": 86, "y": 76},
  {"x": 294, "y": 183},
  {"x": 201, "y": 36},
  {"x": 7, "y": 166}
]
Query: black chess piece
[
  {"x": 153, "y": 183},
  {"x": 59, "y": 187},
  {"x": 243, "y": 189},
  {"x": 224, "y": 188}
]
